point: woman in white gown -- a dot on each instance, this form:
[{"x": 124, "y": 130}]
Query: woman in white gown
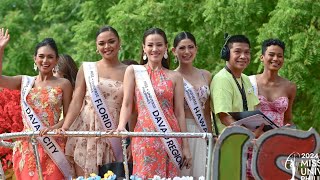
[{"x": 185, "y": 50}]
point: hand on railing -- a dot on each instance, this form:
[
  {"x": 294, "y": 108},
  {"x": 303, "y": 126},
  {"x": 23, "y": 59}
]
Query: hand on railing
[
  {"x": 121, "y": 129},
  {"x": 89, "y": 134},
  {"x": 187, "y": 158},
  {"x": 60, "y": 131},
  {"x": 45, "y": 130}
]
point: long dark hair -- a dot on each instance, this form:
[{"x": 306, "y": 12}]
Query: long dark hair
[
  {"x": 47, "y": 42},
  {"x": 165, "y": 62},
  {"x": 107, "y": 28},
  {"x": 183, "y": 35}
]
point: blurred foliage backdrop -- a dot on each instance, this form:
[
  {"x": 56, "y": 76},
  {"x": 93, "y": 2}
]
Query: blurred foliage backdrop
[{"x": 73, "y": 24}]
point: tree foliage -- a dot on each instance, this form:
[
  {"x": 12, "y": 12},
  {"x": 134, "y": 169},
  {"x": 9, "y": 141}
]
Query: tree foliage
[
  {"x": 73, "y": 24},
  {"x": 297, "y": 23}
]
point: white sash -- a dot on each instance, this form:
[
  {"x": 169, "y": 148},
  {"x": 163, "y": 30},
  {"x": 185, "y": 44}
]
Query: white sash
[
  {"x": 150, "y": 100},
  {"x": 253, "y": 81},
  {"x": 91, "y": 77},
  {"x": 50, "y": 145},
  {"x": 192, "y": 99}
]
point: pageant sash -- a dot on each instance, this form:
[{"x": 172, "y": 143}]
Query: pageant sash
[
  {"x": 91, "y": 77},
  {"x": 150, "y": 100},
  {"x": 192, "y": 99},
  {"x": 50, "y": 145},
  {"x": 253, "y": 81}
]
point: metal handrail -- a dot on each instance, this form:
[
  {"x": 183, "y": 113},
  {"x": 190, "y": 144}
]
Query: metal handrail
[{"x": 34, "y": 134}]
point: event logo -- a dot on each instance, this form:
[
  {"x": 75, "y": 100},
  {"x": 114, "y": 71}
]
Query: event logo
[{"x": 304, "y": 166}]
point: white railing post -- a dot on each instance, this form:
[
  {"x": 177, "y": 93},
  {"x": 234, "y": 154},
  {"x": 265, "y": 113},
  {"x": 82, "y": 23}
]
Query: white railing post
[
  {"x": 125, "y": 158},
  {"x": 34, "y": 143}
]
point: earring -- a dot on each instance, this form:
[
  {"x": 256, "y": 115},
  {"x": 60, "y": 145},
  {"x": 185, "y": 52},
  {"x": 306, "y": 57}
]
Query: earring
[
  {"x": 35, "y": 67},
  {"x": 144, "y": 57},
  {"x": 165, "y": 56},
  {"x": 56, "y": 68},
  {"x": 175, "y": 59}
]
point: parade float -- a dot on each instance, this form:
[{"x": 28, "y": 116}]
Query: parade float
[{"x": 282, "y": 153}]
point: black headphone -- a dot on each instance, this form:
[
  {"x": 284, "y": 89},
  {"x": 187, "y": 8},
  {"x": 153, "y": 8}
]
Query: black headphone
[{"x": 225, "y": 51}]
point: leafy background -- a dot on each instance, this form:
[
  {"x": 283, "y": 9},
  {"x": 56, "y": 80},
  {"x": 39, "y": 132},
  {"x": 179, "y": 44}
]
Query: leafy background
[{"x": 73, "y": 24}]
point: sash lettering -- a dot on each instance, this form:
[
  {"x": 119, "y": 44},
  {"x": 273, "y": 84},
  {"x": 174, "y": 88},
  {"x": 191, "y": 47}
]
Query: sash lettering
[
  {"x": 103, "y": 112},
  {"x": 159, "y": 119},
  {"x": 253, "y": 81},
  {"x": 91, "y": 77},
  {"x": 35, "y": 123},
  {"x": 47, "y": 141},
  {"x": 50, "y": 145},
  {"x": 193, "y": 102}
]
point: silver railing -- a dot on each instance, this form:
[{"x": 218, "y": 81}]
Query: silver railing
[{"x": 32, "y": 135}]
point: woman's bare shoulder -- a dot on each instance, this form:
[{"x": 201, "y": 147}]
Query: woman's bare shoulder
[
  {"x": 290, "y": 86},
  {"x": 64, "y": 83},
  {"x": 207, "y": 74},
  {"x": 173, "y": 75}
]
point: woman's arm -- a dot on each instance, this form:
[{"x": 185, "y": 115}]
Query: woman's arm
[
  {"x": 67, "y": 96},
  {"x": 180, "y": 115},
  {"x": 207, "y": 115},
  {"x": 133, "y": 119},
  {"x": 291, "y": 95},
  {"x": 76, "y": 102},
  {"x": 178, "y": 102},
  {"x": 6, "y": 81},
  {"x": 207, "y": 108},
  {"x": 127, "y": 102}
]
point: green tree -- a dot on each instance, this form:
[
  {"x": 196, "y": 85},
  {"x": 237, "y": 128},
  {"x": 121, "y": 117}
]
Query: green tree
[
  {"x": 17, "y": 16},
  {"x": 297, "y": 23}
]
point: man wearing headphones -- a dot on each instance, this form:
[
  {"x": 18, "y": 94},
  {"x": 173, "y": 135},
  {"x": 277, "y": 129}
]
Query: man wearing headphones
[{"x": 231, "y": 90}]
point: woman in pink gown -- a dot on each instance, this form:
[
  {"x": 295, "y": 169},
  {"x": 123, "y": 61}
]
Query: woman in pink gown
[
  {"x": 150, "y": 156},
  {"x": 87, "y": 154},
  {"x": 48, "y": 96},
  {"x": 276, "y": 94}
]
